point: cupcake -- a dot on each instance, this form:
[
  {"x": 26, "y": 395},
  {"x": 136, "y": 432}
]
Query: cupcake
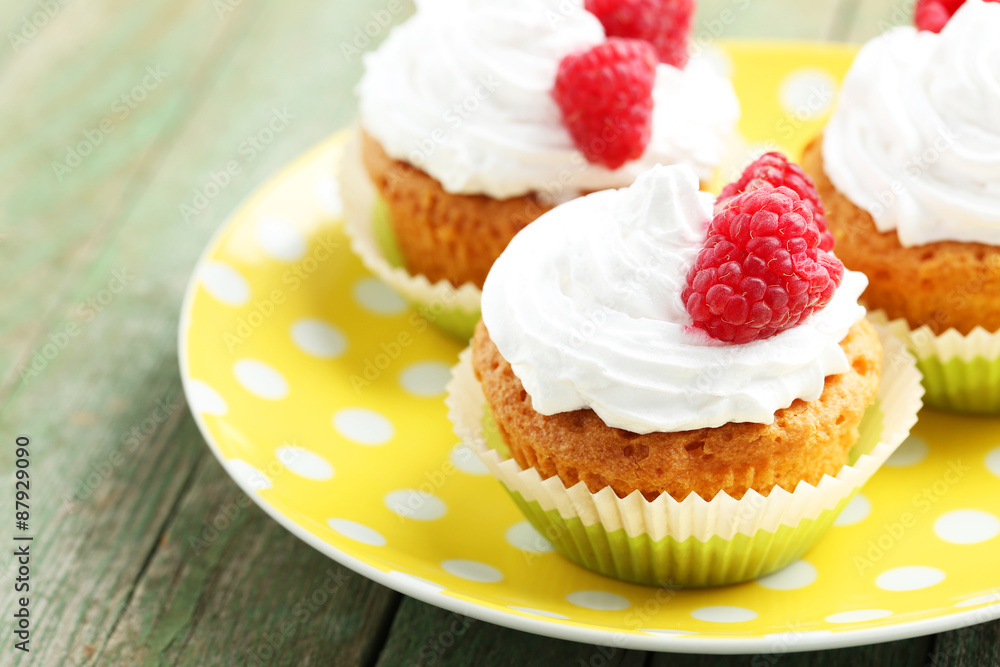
[
  {"x": 908, "y": 167},
  {"x": 656, "y": 374},
  {"x": 476, "y": 117}
]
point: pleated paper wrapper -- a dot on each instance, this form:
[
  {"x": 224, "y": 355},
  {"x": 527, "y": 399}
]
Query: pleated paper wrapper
[
  {"x": 961, "y": 373},
  {"x": 693, "y": 542},
  {"x": 367, "y": 223}
]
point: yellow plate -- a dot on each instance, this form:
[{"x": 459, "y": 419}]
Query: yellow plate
[{"x": 321, "y": 393}]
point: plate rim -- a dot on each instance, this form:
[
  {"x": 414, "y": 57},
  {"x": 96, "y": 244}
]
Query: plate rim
[{"x": 539, "y": 625}]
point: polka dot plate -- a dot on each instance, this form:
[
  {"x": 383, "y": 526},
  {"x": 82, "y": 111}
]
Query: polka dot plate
[{"x": 321, "y": 393}]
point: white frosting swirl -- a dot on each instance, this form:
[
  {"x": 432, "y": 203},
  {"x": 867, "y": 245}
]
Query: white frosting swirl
[
  {"x": 915, "y": 137},
  {"x": 585, "y": 304},
  {"x": 462, "y": 90}
]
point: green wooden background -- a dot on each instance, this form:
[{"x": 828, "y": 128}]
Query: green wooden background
[{"x": 164, "y": 92}]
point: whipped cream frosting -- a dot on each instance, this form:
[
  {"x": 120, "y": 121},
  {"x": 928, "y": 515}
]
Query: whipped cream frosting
[
  {"x": 585, "y": 304},
  {"x": 462, "y": 90},
  {"x": 915, "y": 137}
]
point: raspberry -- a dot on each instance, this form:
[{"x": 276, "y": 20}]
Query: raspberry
[
  {"x": 665, "y": 24},
  {"x": 761, "y": 270},
  {"x": 934, "y": 14},
  {"x": 774, "y": 169},
  {"x": 606, "y": 98}
]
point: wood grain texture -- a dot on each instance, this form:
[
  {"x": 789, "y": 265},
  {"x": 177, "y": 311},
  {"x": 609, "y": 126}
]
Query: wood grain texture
[
  {"x": 422, "y": 636},
  {"x": 127, "y": 569},
  {"x": 906, "y": 653},
  {"x": 228, "y": 585},
  {"x": 766, "y": 19}
]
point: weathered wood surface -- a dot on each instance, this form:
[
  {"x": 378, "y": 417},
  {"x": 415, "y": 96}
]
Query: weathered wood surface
[{"x": 95, "y": 255}]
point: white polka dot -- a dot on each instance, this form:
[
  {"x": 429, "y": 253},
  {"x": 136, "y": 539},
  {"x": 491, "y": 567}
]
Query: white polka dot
[
  {"x": 247, "y": 476},
  {"x": 409, "y": 579},
  {"x": 328, "y": 195},
  {"x": 807, "y": 93},
  {"x": 304, "y": 463},
  {"x": 795, "y": 575},
  {"x": 724, "y": 614},
  {"x": 225, "y": 283},
  {"x": 426, "y": 378},
  {"x": 280, "y": 239},
  {"x": 599, "y": 600},
  {"x": 260, "y": 379},
  {"x": 858, "y": 616},
  {"x": 912, "y": 451},
  {"x": 540, "y": 612},
  {"x": 993, "y": 461},
  {"x": 982, "y": 599},
  {"x": 665, "y": 632},
  {"x": 523, "y": 536},
  {"x": 857, "y": 510},
  {"x": 472, "y": 570},
  {"x": 375, "y": 296},
  {"x": 357, "y": 532},
  {"x": 467, "y": 461},
  {"x": 909, "y": 578},
  {"x": 318, "y": 338},
  {"x": 413, "y": 504},
  {"x": 967, "y": 526},
  {"x": 363, "y": 426},
  {"x": 204, "y": 399}
]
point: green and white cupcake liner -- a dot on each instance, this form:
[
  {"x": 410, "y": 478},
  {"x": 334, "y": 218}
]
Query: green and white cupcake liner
[
  {"x": 369, "y": 226},
  {"x": 961, "y": 373},
  {"x": 693, "y": 542}
]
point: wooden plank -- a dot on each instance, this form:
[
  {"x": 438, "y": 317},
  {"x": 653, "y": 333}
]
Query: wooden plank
[
  {"x": 978, "y": 645},
  {"x": 426, "y": 635},
  {"x": 873, "y": 17},
  {"x": 53, "y": 103},
  {"x": 906, "y": 653},
  {"x": 228, "y": 585},
  {"x": 775, "y": 19},
  {"x": 120, "y": 209},
  {"x": 104, "y": 483}
]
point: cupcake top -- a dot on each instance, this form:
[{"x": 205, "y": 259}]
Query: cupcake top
[
  {"x": 915, "y": 137},
  {"x": 463, "y": 90},
  {"x": 585, "y": 304}
]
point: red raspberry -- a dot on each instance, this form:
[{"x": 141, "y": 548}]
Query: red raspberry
[
  {"x": 934, "y": 14},
  {"x": 774, "y": 169},
  {"x": 665, "y": 24},
  {"x": 606, "y": 98},
  {"x": 761, "y": 270}
]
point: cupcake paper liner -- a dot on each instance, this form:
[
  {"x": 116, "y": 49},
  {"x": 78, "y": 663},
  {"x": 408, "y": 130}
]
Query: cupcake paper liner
[
  {"x": 369, "y": 227},
  {"x": 693, "y": 542},
  {"x": 961, "y": 373}
]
